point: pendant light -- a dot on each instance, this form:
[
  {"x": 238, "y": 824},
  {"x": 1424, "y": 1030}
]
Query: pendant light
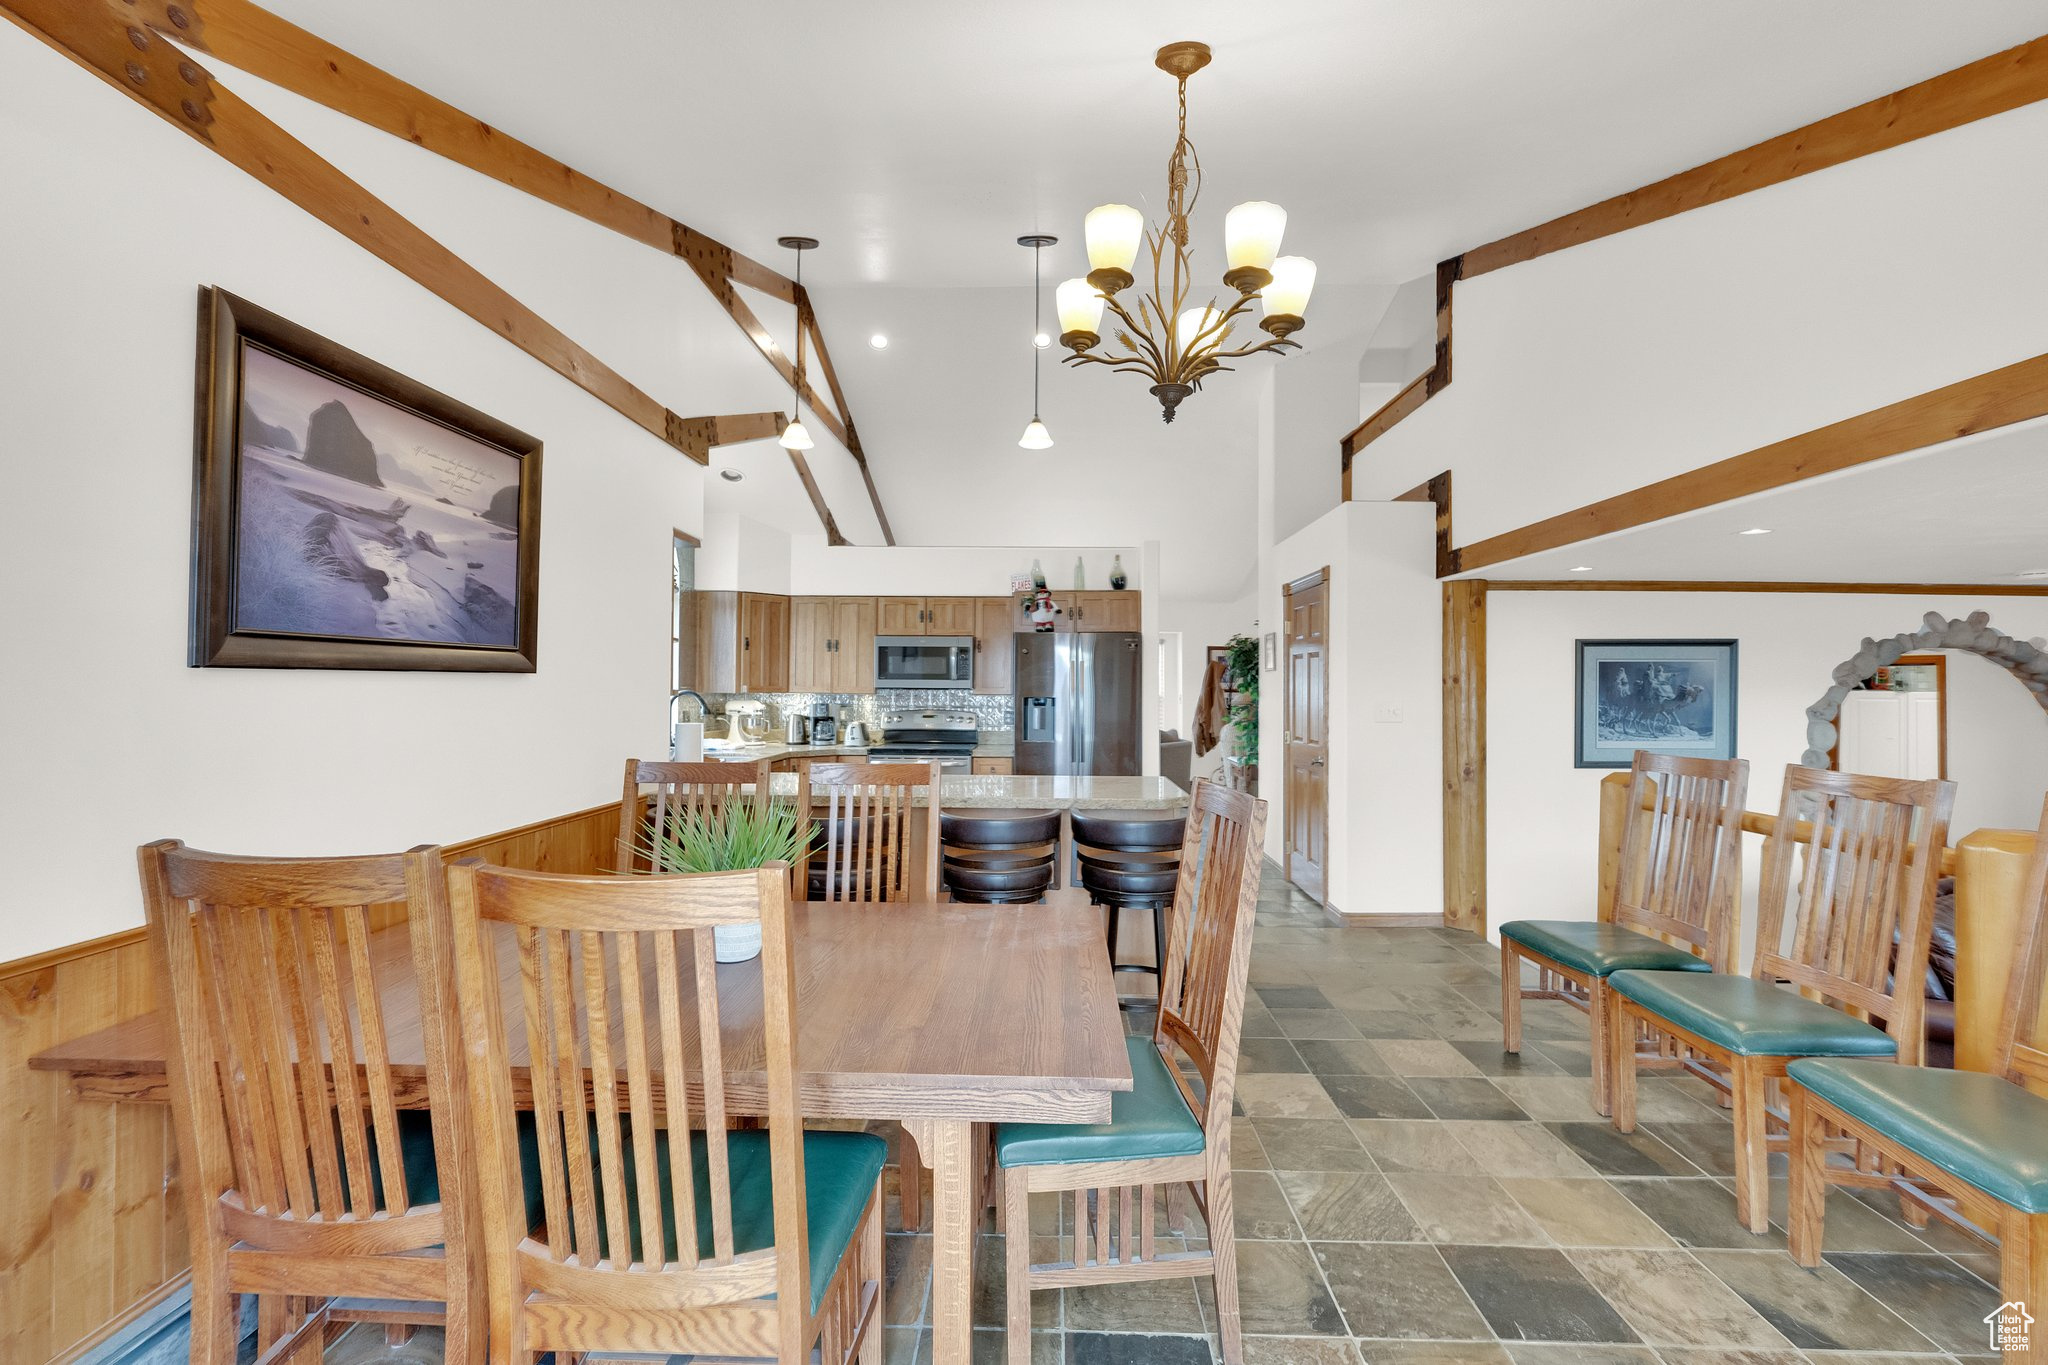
[
  {"x": 1035, "y": 436},
  {"x": 794, "y": 437}
]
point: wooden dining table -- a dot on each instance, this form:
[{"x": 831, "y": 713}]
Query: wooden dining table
[{"x": 939, "y": 1016}]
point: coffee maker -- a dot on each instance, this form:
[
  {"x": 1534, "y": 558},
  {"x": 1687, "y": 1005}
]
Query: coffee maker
[{"x": 824, "y": 728}]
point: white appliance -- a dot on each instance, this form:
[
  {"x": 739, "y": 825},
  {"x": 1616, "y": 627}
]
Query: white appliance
[
  {"x": 921, "y": 736},
  {"x": 924, "y": 663}
]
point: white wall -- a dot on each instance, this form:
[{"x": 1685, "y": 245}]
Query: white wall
[
  {"x": 1543, "y": 814},
  {"x": 1609, "y": 365},
  {"x": 112, "y": 221},
  {"x": 1385, "y": 621}
]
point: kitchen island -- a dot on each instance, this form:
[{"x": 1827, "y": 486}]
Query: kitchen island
[{"x": 1003, "y": 791}]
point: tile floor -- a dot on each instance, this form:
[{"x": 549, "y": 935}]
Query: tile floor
[{"x": 1408, "y": 1194}]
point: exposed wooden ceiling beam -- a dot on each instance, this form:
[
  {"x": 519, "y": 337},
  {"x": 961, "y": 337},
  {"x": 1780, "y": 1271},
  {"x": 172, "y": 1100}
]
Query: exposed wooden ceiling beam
[
  {"x": 126, "y": 47},
  {"x": 2014, "y": 393},
  {"x": 260, "y": 43},
  {"x": 2003, "y": 81}
]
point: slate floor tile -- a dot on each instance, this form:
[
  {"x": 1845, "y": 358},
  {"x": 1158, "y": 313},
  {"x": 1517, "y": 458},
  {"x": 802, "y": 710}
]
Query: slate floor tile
[
  {"x": 1697, "y": 1213},
  {"x": 1851, "y": 1225},
  {"x": 1293, "y": 997},
  {"x": 1136, "y": 1306},
  {"x": 1534, "y": 1294},
  {"x": 1937, "y": 1298},
  {"x": 1423, "y": 1057},
  {"x": 1584, "y": 1213},
  {"x": 1341, "y": 1057},
  {"x": 1578, "y": 1353},
  {"x": 1821, "y": 1309},
  {"x": 1311, "y": 1145},
  {"x": 1434, "y": 1353},
  {"x": 1518, "y": 1149},
  {"x": 1300, "y": 1351},
  {"x": 1403, "y": 1292},
  {"x": 1489, "y": 1059},
  {"x": 1280, "y": 1096},
  {"x": 1615, "y": 1153},
  {"x": 1670, "y": 1299},
  {"x": 1268, "y": 1055},
  {"x": 1348, "y": 1206},
  {"x": 1464, "y": 1097},
  {"x": 1315, "y": 1024},
  {"x": 1466, "y": 1209},
  {"x": 1122, "y": 1348},
  {"x": 1280, "y": 1291},
  {"x": 1374, "y": 1097},
  {"x": 1412, "y": 1145},
  {"x": 1260, "y": 1209}
]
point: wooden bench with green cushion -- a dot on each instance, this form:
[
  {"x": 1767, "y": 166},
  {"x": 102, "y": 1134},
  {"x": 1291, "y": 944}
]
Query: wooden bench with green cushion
[
  {"x": 1971, "y": 1146},
  {"x": 1865, "y": 851},
  {"x": 1172, "y": 1128},
  {"x": 1667, "y": 902}
]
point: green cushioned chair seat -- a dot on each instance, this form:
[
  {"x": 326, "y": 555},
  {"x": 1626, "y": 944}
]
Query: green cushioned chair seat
[
  {"x": 1752, "y": 1018},
  {"x": 1151, "y": 1119},
  {"x": 423, "y": 1174},
  {"x": 840, "y": 1171},
  {"x": 1978, "y": 1128},
  {"x": 1600, "y": 949}
]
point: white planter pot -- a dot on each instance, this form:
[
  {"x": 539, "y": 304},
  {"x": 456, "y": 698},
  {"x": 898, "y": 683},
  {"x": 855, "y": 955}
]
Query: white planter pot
[{"x": 736, "y": 942}]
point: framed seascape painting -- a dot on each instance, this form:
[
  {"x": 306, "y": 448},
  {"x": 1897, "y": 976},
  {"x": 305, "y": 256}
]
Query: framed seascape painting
[
  {"x": 1667, "y": 696},
  {"x": 345, "y": 516}
]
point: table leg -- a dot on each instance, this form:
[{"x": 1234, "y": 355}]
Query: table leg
[{"x": 948, "y": 1149}]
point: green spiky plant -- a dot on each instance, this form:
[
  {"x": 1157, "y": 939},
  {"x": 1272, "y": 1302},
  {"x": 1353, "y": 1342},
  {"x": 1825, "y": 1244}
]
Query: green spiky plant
[
  {"x": 737, "y": 834},
  {"x": 1241, "y": 671}
]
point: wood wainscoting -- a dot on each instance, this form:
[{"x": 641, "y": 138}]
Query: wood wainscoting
[{"x": 92, "y": 1223}]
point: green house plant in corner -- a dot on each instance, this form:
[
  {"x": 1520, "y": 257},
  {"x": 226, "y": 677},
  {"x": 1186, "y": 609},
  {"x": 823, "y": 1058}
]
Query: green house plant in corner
[
  {"x": 737, "y": 834},
  {"x": 1241, "y": 678}
]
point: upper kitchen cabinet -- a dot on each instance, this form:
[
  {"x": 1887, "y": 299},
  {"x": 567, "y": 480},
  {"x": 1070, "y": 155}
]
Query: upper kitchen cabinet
[
  {"x": 996, "y": 619},
  {"x": 742, "y": 642},
  {"x": 832, "y": 644},
  {"x": 925, "y": 616},
  {"x": 1103, "y": 610}
]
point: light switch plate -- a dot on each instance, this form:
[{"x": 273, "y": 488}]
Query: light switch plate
[{"x": 1386, "y": 715}]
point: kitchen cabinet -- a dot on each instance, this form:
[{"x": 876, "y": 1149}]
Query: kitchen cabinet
[
  {"x": 832, "y": 644},
  {"x": 1102, "y": 610},
  {"x": 718, "y": 642},
  {"x": 996, "y": 619},
  {"x": 925, "y": 615},
  {"x": 764, "y": 643},
  {"x": 993, "y": 766}
]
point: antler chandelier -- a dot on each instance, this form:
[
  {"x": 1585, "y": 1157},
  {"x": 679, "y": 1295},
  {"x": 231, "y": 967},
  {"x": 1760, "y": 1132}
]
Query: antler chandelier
[{"x": 1175, "y": 346}]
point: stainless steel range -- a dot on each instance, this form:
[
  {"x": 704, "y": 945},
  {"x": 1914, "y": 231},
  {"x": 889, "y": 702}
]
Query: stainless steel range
[{"x": 921, "y": 736}]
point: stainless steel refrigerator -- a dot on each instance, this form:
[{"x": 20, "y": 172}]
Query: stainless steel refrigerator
[{"x": 1078, "y": 698}]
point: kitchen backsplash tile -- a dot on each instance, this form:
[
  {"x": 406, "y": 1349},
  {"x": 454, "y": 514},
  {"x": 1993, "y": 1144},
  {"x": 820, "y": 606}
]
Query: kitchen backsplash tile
[{"x": 990, "y": 712}]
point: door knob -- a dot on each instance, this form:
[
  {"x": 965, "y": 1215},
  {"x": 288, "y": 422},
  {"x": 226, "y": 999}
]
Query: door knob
[{"x": 1317, "y": 763}]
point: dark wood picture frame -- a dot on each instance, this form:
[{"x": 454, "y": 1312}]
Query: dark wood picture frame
[{"x": 226, "y": 323}]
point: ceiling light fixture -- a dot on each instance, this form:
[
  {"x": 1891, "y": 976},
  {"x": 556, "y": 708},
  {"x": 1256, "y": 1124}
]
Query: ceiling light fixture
[
  {"x": 794, "y": 437},
  {"x": 1173, "y": 345},
  {"x": 1041, "y": 339},
  {"x": 1755, "y": 531},
  {"x": 879, "y": 342},
  {"x": 1035, "y": 436},
  {"x": 731, "y": 475},
  {"x": 1582, "y": 568}
]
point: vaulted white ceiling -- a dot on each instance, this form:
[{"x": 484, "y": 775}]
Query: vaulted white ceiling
[{"x": 919, "y": 138}]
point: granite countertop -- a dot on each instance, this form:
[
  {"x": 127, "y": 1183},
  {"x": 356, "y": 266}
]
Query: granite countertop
[
  {"x": 995, "y": 744},
  {"x": 1000, "y": 791}
]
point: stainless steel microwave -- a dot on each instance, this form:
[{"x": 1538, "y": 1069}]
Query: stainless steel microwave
[{"x": 924, "y": 662}]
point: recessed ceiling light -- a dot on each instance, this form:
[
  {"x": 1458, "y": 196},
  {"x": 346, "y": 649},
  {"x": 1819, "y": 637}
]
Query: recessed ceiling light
[
  {"x": 879, "y": 342},
  {"x": 1041, "y": 340},
  {"x": 1755, "y": 531},
  {"x": 1582, "y": 568},
  {"x": 731, "y": 475},
  {"x": 2032, "y": 573}
]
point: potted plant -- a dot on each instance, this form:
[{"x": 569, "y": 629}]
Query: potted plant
[{"x": 736, "y": 834}]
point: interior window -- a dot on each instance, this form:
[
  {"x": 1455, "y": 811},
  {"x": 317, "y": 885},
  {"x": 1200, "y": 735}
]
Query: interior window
[{"x": 682, "y": 613}]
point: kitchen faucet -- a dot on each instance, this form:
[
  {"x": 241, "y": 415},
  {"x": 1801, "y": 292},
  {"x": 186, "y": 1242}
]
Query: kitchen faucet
[{"x": 703, "y": 708}]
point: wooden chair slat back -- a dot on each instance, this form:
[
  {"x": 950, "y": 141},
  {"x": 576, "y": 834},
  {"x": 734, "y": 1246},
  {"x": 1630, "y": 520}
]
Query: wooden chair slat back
[
  {"x": 866, "y": 849},
  {"x": 1207, "y": 953},
  {"x": 280, "y": 1053},
  {"x": 1837, "y": 896},
  {"x": 621, "y": 1017},
  {"x": 676, "y": 789},
  {"x": 2023, "y": 1026},
  {"x": 1681, "y": 855}
]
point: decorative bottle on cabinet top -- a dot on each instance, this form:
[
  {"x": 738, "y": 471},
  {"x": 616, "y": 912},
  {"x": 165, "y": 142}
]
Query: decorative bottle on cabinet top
[
  {"x": 1117, "y": 581},
  {"x": 1080, "y": 575}
]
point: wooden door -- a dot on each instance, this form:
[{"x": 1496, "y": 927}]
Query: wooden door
[
  {"x": 764, "y": 642},
  {"x": 899, "y": 616},
  {"x": 811, "y": 659},
  {"x": 1307, "y": 796},
  {"x": 996, "y": 619},
  {"x": 949, "y": 615},
  {"x": 853, "y": 644}
]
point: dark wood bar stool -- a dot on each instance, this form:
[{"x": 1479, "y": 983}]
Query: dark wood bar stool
[
  {"x": 1130, "y": 860},
  {"x": 998, "y": 857}
]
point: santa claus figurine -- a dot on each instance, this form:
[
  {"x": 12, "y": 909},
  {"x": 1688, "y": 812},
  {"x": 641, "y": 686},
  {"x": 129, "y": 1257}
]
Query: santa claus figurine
[{"x": 1042, "y": 609}]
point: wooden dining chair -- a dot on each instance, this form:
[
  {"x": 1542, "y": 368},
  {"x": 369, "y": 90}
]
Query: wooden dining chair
[
  {"x": 672, "y": 789},
  {"x": 1980, "y": 1138},
  {"x": 1173, "y": 1125},
  {"x": 663, "y": 1231},
  {"x": 865, "y": 851},
  {"x": 1675, "y": 897},
  {"x": 304, "y": 1182},
  {"x": 1849, "y": 872}
]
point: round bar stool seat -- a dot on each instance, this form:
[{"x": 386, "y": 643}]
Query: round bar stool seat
[
  {"x": 1130, "y": 860},
  {"x": 997, "y": 857}
]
